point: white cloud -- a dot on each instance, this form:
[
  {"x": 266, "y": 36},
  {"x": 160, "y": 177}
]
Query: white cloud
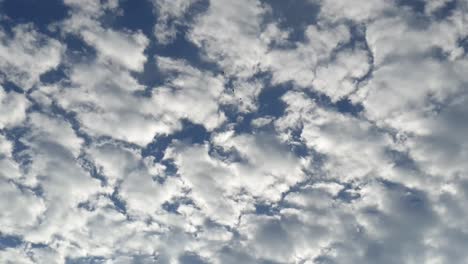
[
  {"x": 434, "y": 5},
  {"x": 339, "y": 78},
  {"x": 190, "y": 93},
  {"x": 104, "y": 100},
  {"x": 20, "y": 210},
  {"x": 265, "y": 171},
  {"x": 122, "y": 48},
  {"x": 15, "y": 255},
  {"x": 5, "y": 147},
  {"x": 141, "y": 193},
  {"x": 105, "y": 104},
  {"x": 299, "y": 64},
  {"x": 385, "y": 185},
  {"x": 262, "y": 121},
  {"x": 230, "y": 39},
  {"x": 27, "y": 54},
  {"x": 170, "y": 15},
  {"x": 337, "y": 136},
  {"x": 241, "y": 45},
  {"x": 15, "y": 105},
  {"x": 360, "y": 11},
  {"x": 54, "y": 147},
  {"x": 92, "y": 7}
]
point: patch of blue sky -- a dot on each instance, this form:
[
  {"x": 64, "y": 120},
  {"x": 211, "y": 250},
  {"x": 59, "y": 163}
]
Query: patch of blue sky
[
  {"x": 11, "y": 87},
  {"x": 141, "y": 15},
  {"x": 173, "y": 205},
  {"x": 446, "y": 10},
  {"x": 415, "y": 5},
  {"x": 9, "y": 241},
  {"x": 190, "y": 133},
  {"x": 118, "y": 202},
  {"x": 40, "y": 13},
  {"x": 344, "y": 105},
  {"x": 135, "y": 15},
  {"x": 191, "y": 258},
  {"x": 293, "y": 15},
  {"x": 464, "y": 44},
  {"x": 14, "y": 135},
  {"x": 266, "y": 209},
  {"x": 86, "y": 260}
]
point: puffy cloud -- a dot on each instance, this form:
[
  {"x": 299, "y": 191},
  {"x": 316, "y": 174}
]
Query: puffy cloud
[
  {"x": 15, "y": 105},
  {"x": 316, "y": 183},
  {"x": 122, "y": 48},
  {"x": 309, "y": 63},
  {"x": 170, "y": 16},
  {"x": 231, "y": 40},
  {"x": 104, "y": 99},
  {"x": 26, "y": 54},
  {"x": 417, "y": 92},
  {"x": 56, "y": 176},
  {"x": 20, "y": 209},
  {"x": 15, "y": 255},
  {"x": 263, "y": 170},
  {"x": 190, "y": 93},
  {"x": 92, "y": 7},
  {"x": 339, "y": 77},
  {"x": 300, "y": 64},
  {"x": 338, "y": 136},
  {"x": 359, "y": 11},
  {"x": 136, "y": 182}
]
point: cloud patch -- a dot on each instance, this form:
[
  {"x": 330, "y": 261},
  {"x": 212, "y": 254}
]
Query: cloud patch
[{"x": 232, "y": 132}]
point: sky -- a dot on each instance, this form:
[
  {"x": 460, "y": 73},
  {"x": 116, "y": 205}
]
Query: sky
[{"x": 233, "y": 131}]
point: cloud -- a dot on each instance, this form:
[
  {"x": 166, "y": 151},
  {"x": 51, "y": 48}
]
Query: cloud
[
  {"x": 189, "y": 93},
  {"x": 92, "y": 7},
  {"x": 26, "y": 54},
  {"x": 11, "y": 255},
  {"x": 99, "y": 166},
  {"x": 108, "y": 94},
  {"x": 20, "y": 209},
  {"x": 117, "y": 47},
  {"x": 300, "y": 64},
  {"x": 361, "y": 11},
  {"x": 170, "y": 16},
  {"x": 14, "y": 104},
  {"x": 263, "y": 172},
  {"x": 135, "y": 180},
  {"x": 103, "y": 100},
  {"x": 231, "y": 40},
  {"x": 123, "y": 48}
]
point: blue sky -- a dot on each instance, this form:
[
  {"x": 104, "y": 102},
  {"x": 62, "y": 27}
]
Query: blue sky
[{"x": 247, "y": 131}]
